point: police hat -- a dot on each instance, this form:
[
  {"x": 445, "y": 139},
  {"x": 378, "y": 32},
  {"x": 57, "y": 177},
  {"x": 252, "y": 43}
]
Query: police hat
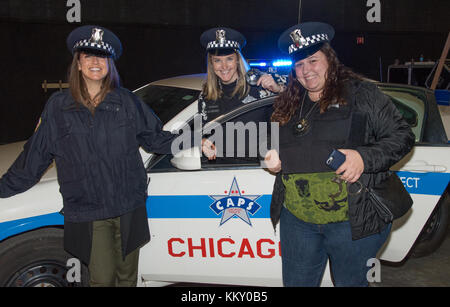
[
  {"x": 222, "y": 41},
  {"x": 95, "y": 39},
  {"x": 305, "y": 39}
]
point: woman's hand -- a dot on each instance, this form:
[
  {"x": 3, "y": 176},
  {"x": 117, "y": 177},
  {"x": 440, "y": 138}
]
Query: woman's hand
[
  {"x": 267, "y": 82},
  {"x": 209, "y": 149},
  {"x": 272, "y": 161},
  {"x": 353, "y": 166}
]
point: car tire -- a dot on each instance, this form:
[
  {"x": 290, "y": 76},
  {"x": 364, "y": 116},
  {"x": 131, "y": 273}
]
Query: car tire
[
  {"x": 435, "y": 230},
  {"x": 37, "y": 259}
]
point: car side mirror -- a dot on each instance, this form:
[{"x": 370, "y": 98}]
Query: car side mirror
[{"x": 187, "y": 159}]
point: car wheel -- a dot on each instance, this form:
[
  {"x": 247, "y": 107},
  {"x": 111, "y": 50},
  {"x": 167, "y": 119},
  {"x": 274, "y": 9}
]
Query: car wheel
[
  {"x": 434, "y": 231},
  {"x": 37, "y": 259}
]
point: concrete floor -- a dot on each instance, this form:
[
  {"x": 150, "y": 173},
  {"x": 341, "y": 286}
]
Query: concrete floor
[{"x": 429, "y": 271}]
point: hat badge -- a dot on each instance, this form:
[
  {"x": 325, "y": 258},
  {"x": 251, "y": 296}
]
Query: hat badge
[
  {"x": 297, "y": 38},
  {"x": 97, "y": 36},
  {"x": 220, "y": 36}
]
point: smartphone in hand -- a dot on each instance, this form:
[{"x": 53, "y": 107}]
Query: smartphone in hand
[{"x": 335, "y": 159}]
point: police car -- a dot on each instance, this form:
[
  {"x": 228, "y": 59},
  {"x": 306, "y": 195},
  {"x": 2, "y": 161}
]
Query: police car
[{"x": 209, "y": 222}]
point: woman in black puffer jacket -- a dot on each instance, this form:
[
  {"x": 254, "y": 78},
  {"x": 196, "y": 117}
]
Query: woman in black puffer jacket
[{"x": 326, "y": 106}]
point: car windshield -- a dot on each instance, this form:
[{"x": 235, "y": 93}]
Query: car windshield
[{"x": 167, "y": 101}]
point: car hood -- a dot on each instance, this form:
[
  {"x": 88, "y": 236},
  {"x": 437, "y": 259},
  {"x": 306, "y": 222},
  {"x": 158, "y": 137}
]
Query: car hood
[
  {"x": 10, "y": 152},
  {"x": 194, "y": 81}
]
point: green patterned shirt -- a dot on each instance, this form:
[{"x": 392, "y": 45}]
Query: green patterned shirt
[{"x": 318, "y": 198}]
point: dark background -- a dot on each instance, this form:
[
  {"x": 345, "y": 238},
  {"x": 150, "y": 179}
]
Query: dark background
[{"x": 161, "y": 39}]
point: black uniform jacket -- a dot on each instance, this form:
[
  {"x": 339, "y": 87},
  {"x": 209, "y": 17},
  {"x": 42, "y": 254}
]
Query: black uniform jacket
[
  {"x": 100, "y": 171},
  {"x": 382, "y": 138}
]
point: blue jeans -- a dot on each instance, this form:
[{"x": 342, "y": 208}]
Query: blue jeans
[{"x": 305, "y": 249}]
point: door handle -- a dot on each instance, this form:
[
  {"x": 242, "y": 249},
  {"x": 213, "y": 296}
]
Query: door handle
[{"x": 423, "y": 166}]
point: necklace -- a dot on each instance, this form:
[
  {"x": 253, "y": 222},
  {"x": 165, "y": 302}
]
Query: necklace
[
  {"x": 301, "y": 126},
  {"x": 94, "y": 102}
]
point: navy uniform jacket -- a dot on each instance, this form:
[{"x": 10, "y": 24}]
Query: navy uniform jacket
[{"x": 100, "y": 171}]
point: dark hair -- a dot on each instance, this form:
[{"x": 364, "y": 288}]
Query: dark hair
[
  {"x": 77, "y": 85},
  {"x": 334, "y": 90}
]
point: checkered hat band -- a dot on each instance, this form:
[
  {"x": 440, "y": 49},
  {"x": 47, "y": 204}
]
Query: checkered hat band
[
  {"x": 309, "y": 41},
  {"x": 226, "y": 44},
  {"x": 103, "y": 45}
]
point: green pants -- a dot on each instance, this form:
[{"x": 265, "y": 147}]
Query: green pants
[{"x": 107, "y": 268}]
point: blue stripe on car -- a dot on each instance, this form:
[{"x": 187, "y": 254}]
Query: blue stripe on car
[
  {"x": 194, "y": 206},
  {"x": 197, "y": 206},
  {"x": 425, "y": 183},
  {"x": 11, "y": 228}
]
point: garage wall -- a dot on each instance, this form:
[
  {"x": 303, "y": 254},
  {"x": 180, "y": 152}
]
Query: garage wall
[{"x": 160, "y": 38}]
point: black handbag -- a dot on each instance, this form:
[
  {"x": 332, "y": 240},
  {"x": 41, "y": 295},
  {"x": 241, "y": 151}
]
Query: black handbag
[{"x": 389, "y": 198}]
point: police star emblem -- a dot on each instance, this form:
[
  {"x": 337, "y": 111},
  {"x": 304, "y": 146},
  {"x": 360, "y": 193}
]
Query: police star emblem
[
  {"x": 234, "y": 204},
  {"x": 297, "y": 38},
  {"x": 220, "y": 36},
  {"x": 96, "y": 36}
]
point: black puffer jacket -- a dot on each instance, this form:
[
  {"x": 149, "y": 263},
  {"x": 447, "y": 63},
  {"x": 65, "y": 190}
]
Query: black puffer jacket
[
  {"x": 387, "y": 139},
  {"x": 100, "y": 170}
]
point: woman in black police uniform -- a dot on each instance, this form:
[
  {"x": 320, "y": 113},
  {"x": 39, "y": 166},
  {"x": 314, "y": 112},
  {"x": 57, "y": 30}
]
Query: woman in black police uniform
[
  {"x": 327, "y": 106},
  {"x": 226, "y": 87},
  {"x": 93, "y": 132}
]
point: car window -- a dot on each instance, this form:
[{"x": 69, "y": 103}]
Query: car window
[
  {"x": 411, "y": 104},
  {"x": 167, "y": 101},
  {"x": 161, "y": 163},
  {"x": 251, "y": 111},
  {"x": 241, "y": 139},
  {"x": 408, "y": 114}
]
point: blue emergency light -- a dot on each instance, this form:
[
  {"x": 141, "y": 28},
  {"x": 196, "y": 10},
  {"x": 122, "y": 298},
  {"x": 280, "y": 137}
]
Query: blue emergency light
[
  {"x": 281, "y": 63},
  {"x": 259, "y": 64},
  {"x": 268, "y": 63}
]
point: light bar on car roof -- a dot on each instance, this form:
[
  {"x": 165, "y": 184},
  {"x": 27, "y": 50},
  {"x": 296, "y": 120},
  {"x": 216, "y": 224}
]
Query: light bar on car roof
[
  {"x": 281, "y": 62},
  {"x": 259, "y": 64}
]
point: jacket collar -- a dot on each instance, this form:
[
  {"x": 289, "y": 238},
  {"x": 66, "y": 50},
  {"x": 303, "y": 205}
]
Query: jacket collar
[{"x": 112, "y": 97}]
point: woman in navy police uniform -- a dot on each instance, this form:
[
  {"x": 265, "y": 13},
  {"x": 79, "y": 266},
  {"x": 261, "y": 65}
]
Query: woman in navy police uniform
[
  {"x": 93, "y": 132},
  {"x": 226, "y": 87}
]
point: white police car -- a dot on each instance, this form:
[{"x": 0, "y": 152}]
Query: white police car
[{"x": 209, "y": 222}]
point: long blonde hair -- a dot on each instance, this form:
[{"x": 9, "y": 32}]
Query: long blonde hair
[
  {"x": 78, "y": 87},
  {"x": 211, "y": 88}
]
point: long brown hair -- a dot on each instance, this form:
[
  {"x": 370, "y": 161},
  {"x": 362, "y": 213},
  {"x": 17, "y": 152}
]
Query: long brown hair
[
  {"x": 334, "y": 90},
  {"x": 211, "y": 88},
  {"x": 78, "y": 87}
]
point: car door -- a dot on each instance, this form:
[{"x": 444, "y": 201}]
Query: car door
[
  {"x": 212, "y": 224},
  {"x": 425, "y": 171}
]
